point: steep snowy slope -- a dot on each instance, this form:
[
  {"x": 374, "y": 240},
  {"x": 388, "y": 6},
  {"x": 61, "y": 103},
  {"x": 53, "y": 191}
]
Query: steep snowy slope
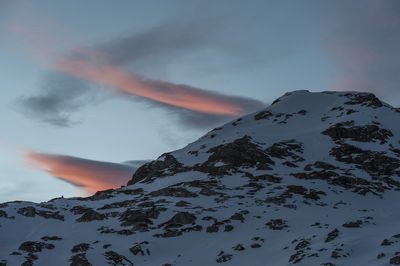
[{"x": 311, "y": 180}]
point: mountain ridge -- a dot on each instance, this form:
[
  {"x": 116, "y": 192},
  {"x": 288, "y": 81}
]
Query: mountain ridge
[{"x": 311, "y": 179}]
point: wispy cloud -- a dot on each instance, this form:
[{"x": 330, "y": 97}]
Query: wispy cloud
[
  {"x": 109, "y": 67},
  {"x": 89, "y": 175},
  {"x": 176, "y": 95},
  {"x": 366, "y": 45},
  {"x": 161, "y": 43},
  {"x": 54, "y": 103}
]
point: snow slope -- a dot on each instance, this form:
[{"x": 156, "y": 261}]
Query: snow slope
[{"x": 312, "y": 179}]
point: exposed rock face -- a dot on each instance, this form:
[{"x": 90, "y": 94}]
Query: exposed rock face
[
  {"x": 30, "y": 246},
  {"x": 91, "y": 215},
  {"x": 277, "y": 224},
  {"x": 79, "y": 260},
  {"x": 82, "y": 247},
  {"x": 139, "y": 219},
  {"x": 332, "y": 235},
  {"x": 117, "y": 259},
  {"x": 32, "y": 212},
  {"x": 156, "y": 169},
  {"x": 313, "y": 179},
  {"x": 365, "y": 133},
  {"x": 239, "y": 153},
  {"x": 181, "y": 218},
  {"x": 363, "y": 99}
]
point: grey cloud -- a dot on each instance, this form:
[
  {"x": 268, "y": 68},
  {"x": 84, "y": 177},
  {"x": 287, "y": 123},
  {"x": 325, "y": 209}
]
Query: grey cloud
[
  {"x": 62, "y": 95},
  {"x": 59, "y": 96},
  {"x": 166, "y": 40}
]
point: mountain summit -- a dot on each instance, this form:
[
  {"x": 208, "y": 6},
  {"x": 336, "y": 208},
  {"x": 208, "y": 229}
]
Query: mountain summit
[{"x": 313, "y": 179}]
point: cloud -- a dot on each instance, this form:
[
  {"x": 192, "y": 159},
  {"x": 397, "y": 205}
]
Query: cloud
[
  {"x": 164, "y": 41},
  {"x": 107, "y": 65},
  {"x": 60, "y": 95},
  {"x": 85, "y": 174},
  {"x": 177, "y": 95},
  {"x": 366, "y": 45}
]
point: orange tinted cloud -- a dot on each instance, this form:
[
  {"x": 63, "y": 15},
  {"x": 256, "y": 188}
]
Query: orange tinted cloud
[
  {"x": 93, "y": 64},
  {"x": 88, "y": 175},
  {"x": 172, "y": 94}
]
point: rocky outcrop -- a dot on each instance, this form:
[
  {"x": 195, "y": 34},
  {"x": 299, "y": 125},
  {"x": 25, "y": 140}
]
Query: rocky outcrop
[
  {"x": 365, "y": 133},
  {"x": 165, "y": 165},
  {"x": 241, "y": 152}
]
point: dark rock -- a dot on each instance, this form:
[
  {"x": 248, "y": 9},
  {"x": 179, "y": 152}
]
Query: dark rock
[
  {"x": 335, "y": 254},
  {"x": 139, "y": 219},
  {"x": 366, "y": 133},
  {"x": 302, "y": 244},
  {"x": 239, "y": 153},
  {"x": 375, "y": 163},
  {"x": 158, "y": 168},
  {"x": 138, "y": 249},
  {"x": 50, "y": 215},
  {"x": 121, "y": 204},
  {"x": 320, "y": 165},
  {"x": 235, "y": 123},
  {"x": 125, "y": 232},
  {"x": 237, "y": 216},
  {"x": 169, "y": 233},
  {"x": 3, "y": 214},
  {"x": 182, "y": 203},
  {"x": 380, "y": 255},
  {"x": 212, "y": 229},
  {"x": 228, "y": 228},
  {"x": 332, "y": 235},
  {"x": 16, "y": 253},
  {"x": 302, "y": 112},
  {"x": 116, "y": 259},
  {"x": 192, "y": 228},
  {"x": 91, "y": 215},
  {"x": 27, "y": 211},
  {"x": 286, "y": 149},
  {"x": 178, "y": 192},
  {"x": 31, "y": 246},
  {"x": 238, "y": 247},
  {"x": 47, "y": 238},
  {"x": 30, "y": 258},
  {"x": 263, "y": 115},
  {"x": 135, "y": 191},
  {"x": 82, "y": 247},
  {"x": 100, "y": 195},
  {"x": 266, "y": 177},
  {"x": 363, "y": 99},
  {"x": 79, "y": 209},
  {"x": 277, "y": 224},
  {"x": 180, "y": 219},
  {"x": 223, "y": 257},
  {"x": 354, "y": 224},
  {"x": 395, "y": 260},
  {"x": 79, "y": 260},
  {"x": 386, "y": 242},
  {"x": 255, "y": 245}
]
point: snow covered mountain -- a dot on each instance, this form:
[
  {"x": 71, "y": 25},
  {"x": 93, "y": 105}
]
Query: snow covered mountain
[{"x": 313, "y": 179}]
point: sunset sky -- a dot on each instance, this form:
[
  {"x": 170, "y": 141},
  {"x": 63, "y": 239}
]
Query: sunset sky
[{"x": 89, "y": 89}]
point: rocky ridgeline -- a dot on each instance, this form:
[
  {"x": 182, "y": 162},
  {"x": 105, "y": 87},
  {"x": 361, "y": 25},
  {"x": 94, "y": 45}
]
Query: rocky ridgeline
[{"x": 312, "y": 179}]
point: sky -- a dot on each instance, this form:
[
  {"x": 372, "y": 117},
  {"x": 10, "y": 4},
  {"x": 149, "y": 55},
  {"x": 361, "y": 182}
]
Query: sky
[{"x": 90, "y": 90}]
